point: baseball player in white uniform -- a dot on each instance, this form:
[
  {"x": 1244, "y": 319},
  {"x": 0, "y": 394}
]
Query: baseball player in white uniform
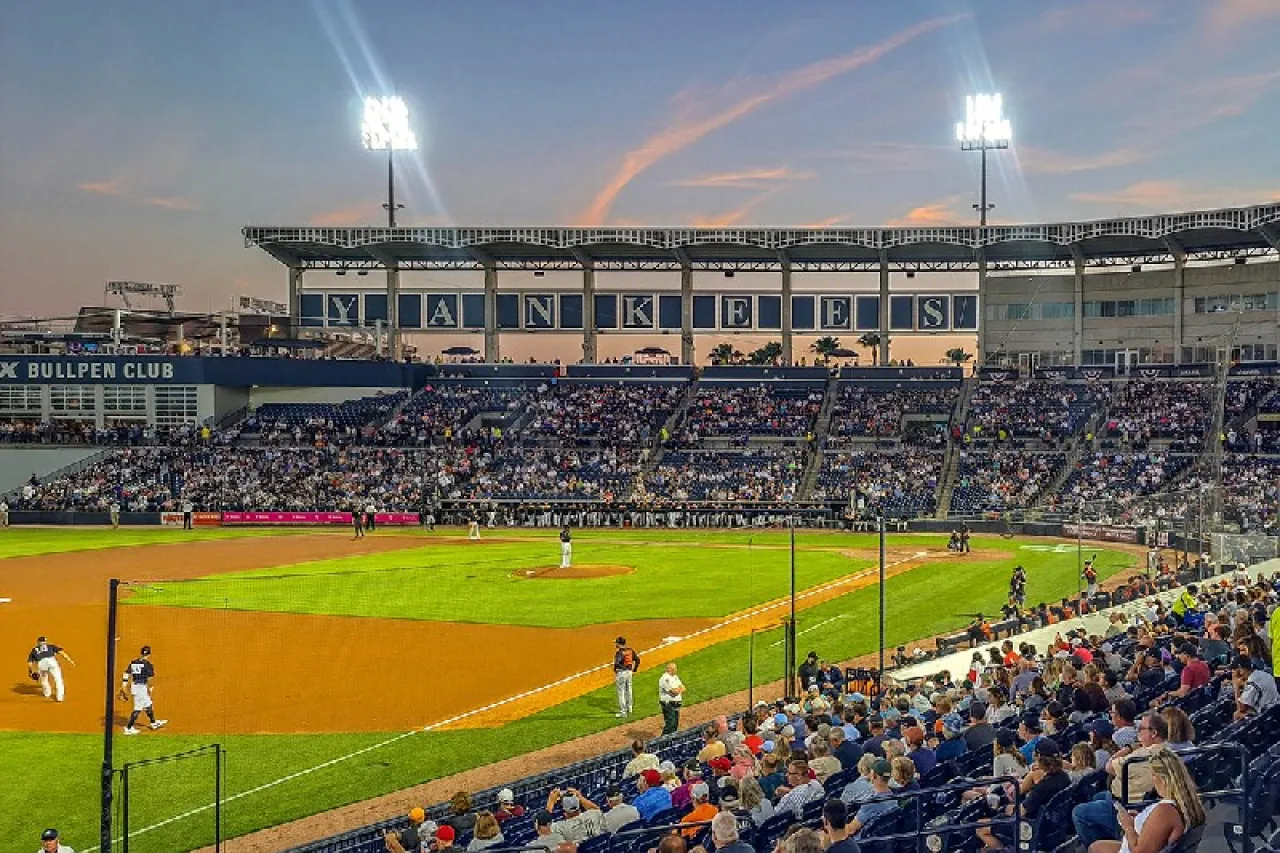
[
  {"x": 566, "y": 548},
  {"x": 4, "y": 513},
  {"x": 115, "y": 515},
  {"x": 42, "y": 663},
  {"x": 137, "y": 683},
  {"x": 473, "y": 527}
]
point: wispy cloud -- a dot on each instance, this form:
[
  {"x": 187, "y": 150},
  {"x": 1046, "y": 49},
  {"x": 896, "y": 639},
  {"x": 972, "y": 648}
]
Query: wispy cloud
[
  {"x": 686, "y": 130},
  {"x": 829, "y": 222},
  {"x": 730, "y": 218},
  {"x": 751, "y": 179},
  {"x": 1225, "y": 18},
  {"x": 940, "y": 212},
  {"x": 1164, "y": 196},
  {"x": 113, "y": 187},
  {"x": 877, "y": 157},
  {"x": 118, "y": 188},
  {"x": 1049, "y": 162},
  {"x": 170, "y": 203}
]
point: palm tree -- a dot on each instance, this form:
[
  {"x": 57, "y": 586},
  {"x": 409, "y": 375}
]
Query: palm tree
[
  {"x": 725, "y": 354},
  {"x": 958, "y": 356},
  {"x": 871, "y": 341},
  {"x": 824, "y": 347},
  {"x": 770, "y": 353}
]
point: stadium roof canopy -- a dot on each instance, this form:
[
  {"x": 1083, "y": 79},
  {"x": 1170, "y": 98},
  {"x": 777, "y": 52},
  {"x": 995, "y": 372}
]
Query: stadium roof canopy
[{"x": 1201, "y": 235}]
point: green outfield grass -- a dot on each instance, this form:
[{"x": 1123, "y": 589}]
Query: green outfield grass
[
  {"x": 32, "y": 541},
  {"x": 920, "y": 603}
]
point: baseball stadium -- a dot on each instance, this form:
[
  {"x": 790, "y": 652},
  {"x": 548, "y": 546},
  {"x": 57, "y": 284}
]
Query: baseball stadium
[{"x": 510, "y": 546}]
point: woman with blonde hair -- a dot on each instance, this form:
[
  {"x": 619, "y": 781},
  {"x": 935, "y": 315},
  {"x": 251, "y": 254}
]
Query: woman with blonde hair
[
  {"x": 1182, "y": 732},
  {"x": 752, "y": 801},
  {"x": 860, "y": 790},
  {"x": 1177, "y": 812},
  {"x": 904, "y": 775},
  {"x": 487, "y": 832},
  {"x": 1081, "y": 761}
]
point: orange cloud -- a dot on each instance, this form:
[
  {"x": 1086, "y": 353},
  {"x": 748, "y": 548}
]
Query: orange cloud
[
  {"x": 753, "y": 179},
  {"x": 733, "y": 217},
  {"x": 686, "y": 131},
  {"x": 1224, "y": 18},
  {"x": 938, "y": 213},
  {"x": 171, "y": 203},
  {"x": 829, "y": 222},
  {"x": 1048, "y": 162},
  {"x": 1164, "y": 196},
  {"x": 361, "y": 213},
  {"x": 114, "y": 187}
]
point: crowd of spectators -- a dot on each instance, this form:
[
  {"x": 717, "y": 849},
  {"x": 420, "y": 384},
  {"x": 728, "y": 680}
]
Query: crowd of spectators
[
  {"x": 444, "y": 411},
  {"x": 1034, "y": 408},
  {"x": 861, "y": 410},
  {"x": 530, "y": 473},
  {"x": 1244, "y": 395},
  {"x": 1120, "y": 477},
  {"x": 998, "y": 480},
  {"x": 1251, "y": 493},
  {"x": 1142, "y": 411},
  {"x": 737, "y": 410},
  {"x": 622, "y": 413},
  {"x": 902, "y": 482},
  {"x": 764, "y": 474},
  {"x": 119, "y": 434}
]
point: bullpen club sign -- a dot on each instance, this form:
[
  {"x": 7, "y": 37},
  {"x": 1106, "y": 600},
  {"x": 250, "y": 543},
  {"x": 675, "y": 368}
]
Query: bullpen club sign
[{"x": 65, "y": 369}]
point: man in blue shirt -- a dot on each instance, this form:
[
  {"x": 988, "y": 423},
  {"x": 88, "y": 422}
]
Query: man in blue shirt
[
  {"x": 1030, "y": 731},
  {"x": 881, "y": 802},
  {"x": 653, "y": 797}
]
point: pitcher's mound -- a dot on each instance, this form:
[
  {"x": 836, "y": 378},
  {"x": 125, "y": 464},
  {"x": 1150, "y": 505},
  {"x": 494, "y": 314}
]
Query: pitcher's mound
[{"x": 590, "y": 570}]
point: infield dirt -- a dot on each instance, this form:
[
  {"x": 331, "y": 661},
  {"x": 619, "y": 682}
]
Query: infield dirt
[{"x": 244, "y": 672}]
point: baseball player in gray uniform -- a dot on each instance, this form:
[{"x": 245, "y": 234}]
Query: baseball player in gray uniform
[
  {"x": 115, "y": 515},
  {"x": 42, "y": 664},
  {"x": 137, "y": 683}
]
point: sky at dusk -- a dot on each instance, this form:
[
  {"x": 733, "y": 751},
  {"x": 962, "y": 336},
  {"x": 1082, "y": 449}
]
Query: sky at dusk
[{"x": 136, "y": 138}]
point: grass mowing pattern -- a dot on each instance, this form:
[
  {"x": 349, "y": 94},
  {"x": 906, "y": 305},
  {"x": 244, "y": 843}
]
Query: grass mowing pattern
[
  {"x": 33, "y": 541},
  {"x": 920, "y": 603}
]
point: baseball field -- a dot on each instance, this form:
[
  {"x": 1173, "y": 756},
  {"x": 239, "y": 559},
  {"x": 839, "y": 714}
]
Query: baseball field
[{"x": 334, "y": 670}]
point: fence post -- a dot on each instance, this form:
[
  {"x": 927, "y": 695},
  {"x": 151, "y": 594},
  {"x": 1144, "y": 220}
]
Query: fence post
[
  {"x": 217, "y": 798},
  {"x": 108, "y": 725}
]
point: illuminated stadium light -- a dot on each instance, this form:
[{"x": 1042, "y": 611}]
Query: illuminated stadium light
[
  {"x": 386, "y": 128},
  {"x": 386, "y": 125},
  {"x": 984, "y": 128},
  {"x": 984, "y": 124}
]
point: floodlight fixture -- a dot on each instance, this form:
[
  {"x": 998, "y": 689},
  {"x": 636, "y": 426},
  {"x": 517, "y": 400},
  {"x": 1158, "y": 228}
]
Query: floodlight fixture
[
  {"x": 984, "y": 128},
  {"x": 386, "y": 128}
]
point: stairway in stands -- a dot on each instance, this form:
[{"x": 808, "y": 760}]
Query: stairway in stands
[
  {"x": 672, "y": 424},
  {"x": 821, "y": 429},
  {"x": 951, "y": 460}
]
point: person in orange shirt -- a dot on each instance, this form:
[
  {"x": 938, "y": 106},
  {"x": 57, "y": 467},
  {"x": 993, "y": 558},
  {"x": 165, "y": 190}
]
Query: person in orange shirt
[{"x": 703, "y": 810}]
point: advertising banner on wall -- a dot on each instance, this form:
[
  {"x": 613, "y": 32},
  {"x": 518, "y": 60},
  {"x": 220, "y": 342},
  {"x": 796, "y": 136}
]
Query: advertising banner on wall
[
  {"x": 391, "y": 518},
  {"x": 198, "y": 519},
  {"x": 1101, "y": 532}
]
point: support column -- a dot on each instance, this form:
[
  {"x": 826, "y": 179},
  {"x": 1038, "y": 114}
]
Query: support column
[
  {"x": 295, "y": 290},
  {"x": 788, "y": 357},
  {"x": 589, "y": 353},
  {"x": 982, "y": 301},
  {"x": 686, "y": 314},
  {"x": 1179, "y": 289},
  {"x": 393, "y": 312},
  {"x": 884, "y": 308},
  {"x": 491, "y": 351},
  {"x": 1077, "y": 330}
]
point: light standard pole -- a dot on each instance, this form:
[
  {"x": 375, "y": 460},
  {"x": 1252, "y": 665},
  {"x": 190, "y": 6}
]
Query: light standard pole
[
  {"x": 984, "y": 128},
  {"x": 880, "y": 671},
  {"x": 791, "y": 652},
  {"x": 386, "y": 128}
]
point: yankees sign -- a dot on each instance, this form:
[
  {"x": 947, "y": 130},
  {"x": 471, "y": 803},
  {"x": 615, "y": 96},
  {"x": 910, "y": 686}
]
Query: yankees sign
[{"x": 552, "y": 311}]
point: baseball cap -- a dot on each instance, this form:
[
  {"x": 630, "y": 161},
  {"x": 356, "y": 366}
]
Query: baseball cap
[
  {"x": 1006, "y": 738},
  {"x": 542, "y": 818},
  {"x": 780, "y": 719},
  {"x": 428, "y": 829},
  {"x": 49, "y": 835},
  {"x": 621, "y": 641},
  {"x": 977, "y": 711},
  {"x": 571, "y": 804},
  {"x": 445, "y": 833},
  {"x": 699, "y": 790},
  {"x": 722, "y": 762},
  {"x": 652, "y": 778},
  {"x": 1101, "y": 727},
  {"x": 667, "y": 767},
  {"x": 1032, "y": 722},
  {"x": 1048, "y": 747},
  {"x": 146, "y": 650},
  {"x": 614, "y": 793},
  {"x": 506, "y": 795},
  {"x": 1241, "y": 662},
  {"x": 767, "y": 746},
  {"x": 417, "y": 815},
  {"x": 857, "y": 697},
  {"x": 953, "y": 723},
  {"x": 882, "y": 768},
  {"x": 891, "y": 714}
]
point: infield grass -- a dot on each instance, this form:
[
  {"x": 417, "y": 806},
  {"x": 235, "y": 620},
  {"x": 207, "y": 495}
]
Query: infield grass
[{"x": 920, "y": 603}]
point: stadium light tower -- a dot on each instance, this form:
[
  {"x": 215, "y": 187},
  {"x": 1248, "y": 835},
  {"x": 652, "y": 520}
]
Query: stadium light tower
[
  {"x": 984, "y": 128},
  {"x": 386, "y": 127}
]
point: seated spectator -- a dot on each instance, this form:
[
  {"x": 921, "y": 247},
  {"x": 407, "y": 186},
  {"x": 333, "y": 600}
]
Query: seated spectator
[
  {"x": 753, "y": 802},
  {"x": 703, "y": 810},
  {"x": 507, "y": 806},
  {"x": 487, "y": 833},
  {"x": 799, "y": 789},
  {"x": 835, "y": 823},
  {"x": 1045, "y": 779},
  {"x": 620, "y": 813},
  {"x": 1182, "y": 732},
  {"x": 406, "y": 840},
  {"x": 821, "y": 762},
  {"x": 920, "y": 754},
  {"x": 725, "y": 837},
  {"x": 653, "y": 797},
  {"x": 582, "y": 818},
  {"x": 880, "y": 802},
  {"x": 1254, "y": 688},
  {"x": 1096, "y": 820},
  {"x": 545, "y": 837},
  {"x": 460, "y": 816},
  {"x": 641, "y": 761},
  {"x": 1159, "y": 825},
  {"x": 953, "y": 744}
]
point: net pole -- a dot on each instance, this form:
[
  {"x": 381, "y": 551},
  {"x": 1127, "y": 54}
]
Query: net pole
[
  {"x": 217, "y": 797},
  {"x": 108, "y": 728},
  {"x": 880, "y": 671}
]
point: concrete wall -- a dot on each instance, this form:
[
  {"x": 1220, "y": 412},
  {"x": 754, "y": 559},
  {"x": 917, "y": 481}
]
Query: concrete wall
[{"x": 18, "y": 463}]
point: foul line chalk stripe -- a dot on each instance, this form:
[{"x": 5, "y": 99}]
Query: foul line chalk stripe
[{"x": 746, "y": 614}]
